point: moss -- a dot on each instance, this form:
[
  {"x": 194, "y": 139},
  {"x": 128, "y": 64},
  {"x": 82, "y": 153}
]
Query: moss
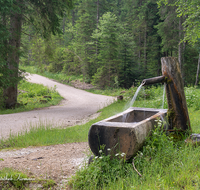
[
  {"x": 169, "y": 81},
  {"x": 170, "y": 114}
]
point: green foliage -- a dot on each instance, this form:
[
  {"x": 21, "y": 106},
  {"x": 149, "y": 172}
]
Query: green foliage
[
  {"x": 107, "y": 36},
  {"x": 60, "y": 77},
  {"x": 50, "y": 183},
  {"x": 192, "y": 12},
  {"x": 31, "y": 96},
  {"x": 102, "y": 171},
  {"x": 115, "y": 43},
  {"x": 192, "y": 97},
  {"x": 15, "y": 178},
  {"x": 162, "y": 162}
]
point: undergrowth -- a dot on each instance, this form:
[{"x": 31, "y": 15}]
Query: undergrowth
[
  {"x": 162, "y": 162},
  {"x": 60, "y": 77},
  {"x": 31, "y": 96}
]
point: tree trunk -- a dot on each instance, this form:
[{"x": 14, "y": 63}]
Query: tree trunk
[
  {"x": 197, "y": 75},
  {"x": 139, "y": 50},
  {"x": 178, "y": 116},
  {"x": 10, "y": 93},
  {"x": 180, "y": 45},
  {"x": 97, "y": 26},
  {"x": 145, "y": 50}
]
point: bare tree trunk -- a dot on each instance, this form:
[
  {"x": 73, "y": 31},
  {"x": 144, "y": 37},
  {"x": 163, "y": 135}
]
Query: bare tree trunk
[
  {"x": 180, "y": 44},
  {"x": 97, "y": 26},
  {"x": 10, "y": 93},
  {"x": 145, "y": 50},
  {"x": 197, "y": 75},
  {"x": 139, "y": 50},
  {"x": 5, "y": 42},
  {"x": 29, "y": 51}
]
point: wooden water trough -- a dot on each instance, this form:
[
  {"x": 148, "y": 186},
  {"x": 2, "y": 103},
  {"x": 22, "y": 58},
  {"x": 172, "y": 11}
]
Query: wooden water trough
[
  {"x": 126, "y": 132},
  {"x": 124, "y": 136}
]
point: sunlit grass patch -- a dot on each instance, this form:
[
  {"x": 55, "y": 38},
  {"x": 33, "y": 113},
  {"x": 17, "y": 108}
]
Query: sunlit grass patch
[
  {"x": 31, "y": 96},
  {"x": 12, "y": 178},
  {"x": 162, "y": 163}
]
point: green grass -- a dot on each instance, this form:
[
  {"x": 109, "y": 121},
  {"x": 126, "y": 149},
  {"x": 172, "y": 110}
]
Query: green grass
[
  {"x": 32, "y": 96},
  {"x": 14, "y": 179},
  {"x": 163, "y": 163},
  {"x": 45, "y": 134}
]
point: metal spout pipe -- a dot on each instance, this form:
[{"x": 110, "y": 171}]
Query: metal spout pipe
[{"x": 153, "y": 80}]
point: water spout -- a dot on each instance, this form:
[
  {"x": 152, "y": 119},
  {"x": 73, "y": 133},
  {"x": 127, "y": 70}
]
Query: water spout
[
  {"x": 153, "y": 80},
  {"x": 163, "y": 96}
]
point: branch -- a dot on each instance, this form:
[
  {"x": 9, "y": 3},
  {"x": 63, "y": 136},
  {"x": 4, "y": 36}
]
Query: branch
[
  {"x": 75, "y": 54},
  {"x": 28, "y": 34},
  {"x": 136, "y": 169}
]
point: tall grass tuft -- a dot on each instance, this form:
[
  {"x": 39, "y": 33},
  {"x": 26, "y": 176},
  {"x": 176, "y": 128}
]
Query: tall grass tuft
[{"x": 162, "y": 162}]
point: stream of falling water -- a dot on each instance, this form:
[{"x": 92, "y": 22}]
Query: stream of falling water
[
  {"x": 163, "y": 102},
  {"x": 135, "y": 95},
  {"x": 131, "y": 102}
]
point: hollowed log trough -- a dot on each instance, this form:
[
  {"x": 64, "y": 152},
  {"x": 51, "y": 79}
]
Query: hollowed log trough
[{"x": 125, "y": 132}]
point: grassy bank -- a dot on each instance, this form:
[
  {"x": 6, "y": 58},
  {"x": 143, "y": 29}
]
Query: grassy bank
[
  {"x": 60, "y": 77},
  {"x": 32, "y": 96},
  {"x": 45, "y": 134},
  {"x": 163, "y": 162},
  {"x": 14, "y": 180}
]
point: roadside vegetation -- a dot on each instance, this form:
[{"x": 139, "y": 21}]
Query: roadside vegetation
[
  {"x": 164, "y": 163},
  {"x": 32, "y": 96},
  {"x": 13, "y": 179},
  {"x": 59, "y": 76}
]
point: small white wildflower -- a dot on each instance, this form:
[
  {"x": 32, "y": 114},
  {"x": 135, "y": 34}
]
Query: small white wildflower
[
  {"x": 96, "y": 157},
  {"x": 117, "y": 154},
  {"x": 123, "y": 154},
  {"x": 108, "y": 149},
  {"x": 100, "y": 157},
  {"x": 100, "y": 151}
]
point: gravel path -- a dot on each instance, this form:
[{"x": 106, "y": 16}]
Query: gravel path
[{"x": 76, "y": 106}]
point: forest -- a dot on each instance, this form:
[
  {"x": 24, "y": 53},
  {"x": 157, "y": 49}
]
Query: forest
[{"x": 110, "y": 43}]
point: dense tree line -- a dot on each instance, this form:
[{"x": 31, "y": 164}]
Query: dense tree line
[{"x": 111, "y": 43}]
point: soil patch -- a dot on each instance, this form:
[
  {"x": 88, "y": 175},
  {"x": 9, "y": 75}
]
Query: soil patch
[{"x": 56, "y": 162}]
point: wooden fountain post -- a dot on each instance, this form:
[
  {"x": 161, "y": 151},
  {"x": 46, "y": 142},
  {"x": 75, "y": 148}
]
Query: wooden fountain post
[{"x": 177, "y": 107}]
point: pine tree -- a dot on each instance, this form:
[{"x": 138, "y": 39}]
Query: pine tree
[{"x": 107, "y": 35}]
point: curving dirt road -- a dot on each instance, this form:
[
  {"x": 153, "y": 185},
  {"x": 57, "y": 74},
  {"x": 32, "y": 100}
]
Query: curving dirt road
[
  {"x": 57, "y": 162},
  {"x": 76, "y": 106}
]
